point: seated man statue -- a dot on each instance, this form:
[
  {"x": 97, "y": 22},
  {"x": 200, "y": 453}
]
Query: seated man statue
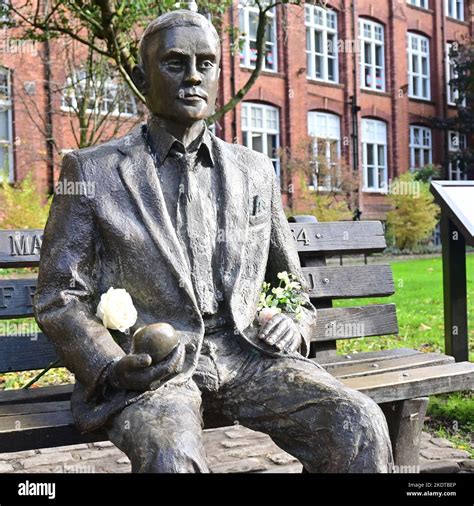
[{"x": 190, "y": 227}]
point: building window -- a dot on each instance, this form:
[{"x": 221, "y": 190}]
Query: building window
[
  {"x": 419, "y": 3},
  {"x": 6, "y": 126},
  {"x": 452, "y": 90},
  {"x": 455, "y": 9},
  {"x": 107, "y": 97},
  {"x": 420, "y": 147},
  {"x": 248, "y": 24},
  {"x": 372, "y": 57},
  {"x": 418, "y": 66},
  {"x": 261, "y": 130},
  {"x": 374, "y": 155},
  {"x": 325, "y": 129},
  {"x": 321, "y": 44},
  {"x": 456, "y": 144}
]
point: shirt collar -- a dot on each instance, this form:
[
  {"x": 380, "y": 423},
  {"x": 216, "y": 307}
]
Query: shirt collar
[{"x": 162, "y": 142}]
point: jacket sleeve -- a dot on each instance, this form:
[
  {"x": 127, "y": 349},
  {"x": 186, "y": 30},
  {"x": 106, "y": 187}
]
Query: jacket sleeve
[
  {"x": 283, "y": 256},
  {"x": 64, "y": 303}
]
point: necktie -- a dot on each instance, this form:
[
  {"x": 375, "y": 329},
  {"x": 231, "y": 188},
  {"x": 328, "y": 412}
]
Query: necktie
[{"x": 196, "y": 224}]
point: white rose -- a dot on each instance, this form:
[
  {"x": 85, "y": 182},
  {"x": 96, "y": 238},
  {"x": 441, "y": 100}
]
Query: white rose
[
  {"x": 116, "y": 310},
  {"x": 267, "y": 313}
]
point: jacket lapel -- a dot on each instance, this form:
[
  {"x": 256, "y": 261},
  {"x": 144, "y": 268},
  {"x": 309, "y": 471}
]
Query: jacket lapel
[
  {"x": 138, "y": 174},
  {"x": 234, "y": 216}
]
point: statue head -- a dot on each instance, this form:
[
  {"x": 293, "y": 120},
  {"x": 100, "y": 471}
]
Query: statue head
[{"x": 178, "y": 70}]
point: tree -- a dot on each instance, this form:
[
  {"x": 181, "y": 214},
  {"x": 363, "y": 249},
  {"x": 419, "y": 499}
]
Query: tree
[
  {"x": 327, "y": 187},
  {"x": 462, "y": 82},
  {"x": 94, "y": 94},
  {"x": 414, "y": 215},
  {"x": 112, "y": 28}
]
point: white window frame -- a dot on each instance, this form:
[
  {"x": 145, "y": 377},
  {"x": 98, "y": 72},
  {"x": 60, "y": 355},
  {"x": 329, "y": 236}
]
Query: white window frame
[
  {"x": 454, "y": 9},
  {"x": 374, "y": 42},
  {"x": 6, "y": 104},
  {"x": 246, "y": 7},
  {"x": 424, "y": 144},
  {"x": 324, "y": 126},
  {"x": 423, "y": 4},
  {"x": 376, "y": 138},
  {"x": 323, "y": 21},
  {"x": 418, "y": 77},
  {"x": 456, "y": 142},
  {"x": 69, "y": 93},
  {"x": 248, "y": 129}
]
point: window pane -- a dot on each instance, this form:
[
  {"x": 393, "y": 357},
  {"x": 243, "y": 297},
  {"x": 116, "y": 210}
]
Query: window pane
[
  {"x": 318, "y": 64},
  {"x": 370, "y": 154},
  {"x": 370, "y": 177},
  {"x": 4, "y": 135},
  {"x": 253, "y": 24},
  {"x": 381, "y": 155},
  {"x": 257, "y": 142},
  {"x": 272, "y": 146}
]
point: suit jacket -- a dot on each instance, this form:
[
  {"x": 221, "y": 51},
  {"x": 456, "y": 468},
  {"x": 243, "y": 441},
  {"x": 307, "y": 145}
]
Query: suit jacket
[{"x": 117, "y": 233}]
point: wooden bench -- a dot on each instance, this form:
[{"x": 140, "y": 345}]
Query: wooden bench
[{"x": 399, "y": 380}]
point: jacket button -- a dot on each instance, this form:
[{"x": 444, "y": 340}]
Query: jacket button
[{"x": 190, "y": 347}]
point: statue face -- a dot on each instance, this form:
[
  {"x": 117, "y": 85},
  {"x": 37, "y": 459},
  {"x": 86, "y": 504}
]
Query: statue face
[{"x": 182, "y": 74}]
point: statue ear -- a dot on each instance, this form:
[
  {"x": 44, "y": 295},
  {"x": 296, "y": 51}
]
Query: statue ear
[{"x": 139, "y": 79}]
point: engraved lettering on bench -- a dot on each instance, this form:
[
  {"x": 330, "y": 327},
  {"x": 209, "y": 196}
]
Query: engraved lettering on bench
[
  {"x": 302, "y": 236},
  {"x": 4, "y": 294},
  {"x": 30, "y": 292},
  {"x": 24, "y": 245}
]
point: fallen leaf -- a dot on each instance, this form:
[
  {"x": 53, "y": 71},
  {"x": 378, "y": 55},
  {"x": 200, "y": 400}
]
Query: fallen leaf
[{"x": 424, "y": 327}]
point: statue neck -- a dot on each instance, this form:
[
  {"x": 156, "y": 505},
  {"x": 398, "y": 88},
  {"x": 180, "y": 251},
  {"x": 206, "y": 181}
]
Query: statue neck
[{"x": 186, "y": 134}]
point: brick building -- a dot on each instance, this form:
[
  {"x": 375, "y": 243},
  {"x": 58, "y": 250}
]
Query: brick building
[{"x": 364, "y": 78}]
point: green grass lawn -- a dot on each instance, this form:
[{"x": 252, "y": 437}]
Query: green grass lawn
[{"x": 419, "y": 299}]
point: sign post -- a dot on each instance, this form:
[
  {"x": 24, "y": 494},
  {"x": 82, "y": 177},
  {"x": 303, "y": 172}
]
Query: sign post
[{"x": 456, "y": 199}]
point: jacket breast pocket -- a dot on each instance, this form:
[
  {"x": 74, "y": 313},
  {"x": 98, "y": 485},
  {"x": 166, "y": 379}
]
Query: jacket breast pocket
[{"x": 259, "y": 219}]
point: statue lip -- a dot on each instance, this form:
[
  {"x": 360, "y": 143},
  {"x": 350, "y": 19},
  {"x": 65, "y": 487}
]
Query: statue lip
[{"x": 193, "y": 94}]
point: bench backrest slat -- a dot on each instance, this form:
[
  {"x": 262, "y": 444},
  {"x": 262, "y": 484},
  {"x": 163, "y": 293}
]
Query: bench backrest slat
[
  {"x": 341, "y": 237},
  {"x": 20, "y": 352},
  {"x": 16, "y": 297},
  {"x": 345, "y": 282}
]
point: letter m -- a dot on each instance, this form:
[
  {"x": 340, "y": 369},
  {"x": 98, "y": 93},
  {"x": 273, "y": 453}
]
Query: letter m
[{"x": 19, "y": 245}]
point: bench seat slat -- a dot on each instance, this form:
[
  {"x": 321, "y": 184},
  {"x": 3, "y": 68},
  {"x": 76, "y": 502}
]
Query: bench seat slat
[
  {"x": 365, "y": 356},
  {"x": 359, "y": 321},
  {"x": 421, "y": 382},
  {"x": 345, "y": 282},
  {"x": 395, "y": 364}
]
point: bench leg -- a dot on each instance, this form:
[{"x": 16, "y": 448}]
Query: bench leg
[{"x": 405, "y": 422}]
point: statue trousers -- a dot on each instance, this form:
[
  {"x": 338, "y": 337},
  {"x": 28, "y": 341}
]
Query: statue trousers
[{"x": 327, "y": 426}]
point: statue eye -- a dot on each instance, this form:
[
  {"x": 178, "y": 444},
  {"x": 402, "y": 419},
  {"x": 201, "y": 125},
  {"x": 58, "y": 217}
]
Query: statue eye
[
  {"x": 206, "y": 64},
  {"x": 174, "y": 64}
]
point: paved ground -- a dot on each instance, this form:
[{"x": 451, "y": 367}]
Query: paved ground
[{"x": 231, "y": 449}]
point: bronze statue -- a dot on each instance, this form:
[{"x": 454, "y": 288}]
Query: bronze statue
[{"x": 173, "y": 221}]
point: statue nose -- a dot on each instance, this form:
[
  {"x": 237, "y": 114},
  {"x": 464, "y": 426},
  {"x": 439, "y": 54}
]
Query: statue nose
[{"x": 193, "y": 77}]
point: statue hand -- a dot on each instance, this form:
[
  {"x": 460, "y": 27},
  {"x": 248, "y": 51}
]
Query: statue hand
[
  {"x": 135, "y": 372},
  {"x": 281, "y": 332}
]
